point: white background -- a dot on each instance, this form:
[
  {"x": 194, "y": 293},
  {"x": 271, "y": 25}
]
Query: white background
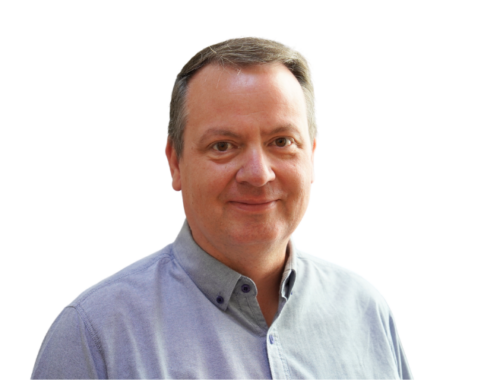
[{"x": 407, "y": 165}]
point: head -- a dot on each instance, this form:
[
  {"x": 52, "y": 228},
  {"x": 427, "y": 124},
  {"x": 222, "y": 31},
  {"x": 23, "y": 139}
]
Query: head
[
  {"x": 243, "y": 158},
  {"x": 238, "y": 53}
]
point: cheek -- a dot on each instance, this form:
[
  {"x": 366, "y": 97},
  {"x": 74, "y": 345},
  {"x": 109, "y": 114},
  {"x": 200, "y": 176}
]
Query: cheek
[
  {"x": 207, "y": 181},
  {"x": 298, "y": 177},
  {"x": 297, "y": 182}
]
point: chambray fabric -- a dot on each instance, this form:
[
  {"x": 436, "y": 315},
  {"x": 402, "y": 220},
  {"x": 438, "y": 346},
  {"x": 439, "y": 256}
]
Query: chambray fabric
[{"x": 180, "y": 313}]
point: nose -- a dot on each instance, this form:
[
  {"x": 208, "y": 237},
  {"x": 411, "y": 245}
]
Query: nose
[{"x": 255, "y": 169}]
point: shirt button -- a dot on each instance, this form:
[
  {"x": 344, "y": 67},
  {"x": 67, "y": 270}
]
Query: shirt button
[
  {"x": 245, "y": 288},
  {"x": 271, "y": 339},
  {"x": 220, "y": 299}
]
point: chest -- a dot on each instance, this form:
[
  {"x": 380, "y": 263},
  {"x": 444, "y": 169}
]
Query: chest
[{"x": 206, "y": 342}]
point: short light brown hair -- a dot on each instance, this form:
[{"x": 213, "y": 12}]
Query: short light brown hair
[{"x": 238, "y": 52}]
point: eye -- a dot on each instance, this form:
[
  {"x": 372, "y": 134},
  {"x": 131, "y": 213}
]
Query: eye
[
  {"x": 283, "y": 141},
  {"x": 221, "y": 146}
]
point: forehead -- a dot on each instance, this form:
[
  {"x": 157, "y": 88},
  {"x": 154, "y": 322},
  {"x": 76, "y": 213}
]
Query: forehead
[
  {"x": 235, "y": 78},
  {"x": 219, "y": 93}
]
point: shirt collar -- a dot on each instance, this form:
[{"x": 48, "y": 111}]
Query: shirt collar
[
  {"x": 216, "y": 280},
  {"x": 289, "y": 273}
]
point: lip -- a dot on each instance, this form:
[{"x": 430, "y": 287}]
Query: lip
[{"x": 254, "y": 206}]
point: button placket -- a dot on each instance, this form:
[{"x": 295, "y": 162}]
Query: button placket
[{"x": 277, "y": 362}]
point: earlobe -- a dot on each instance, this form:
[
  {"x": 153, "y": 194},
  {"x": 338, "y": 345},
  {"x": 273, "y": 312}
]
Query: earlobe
[{"x": 173, "y": 163}]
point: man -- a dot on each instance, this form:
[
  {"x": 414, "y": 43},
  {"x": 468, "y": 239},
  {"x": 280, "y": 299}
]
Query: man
[{"x": 232, "y": 297}]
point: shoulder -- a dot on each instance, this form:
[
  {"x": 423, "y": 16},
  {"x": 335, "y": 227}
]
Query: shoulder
[
  {"x": 337, "y": 283},
  {"x": 330, "y": 272},
  {"x": 86, "y": 328},
  {"x": 130, "y": 282}
]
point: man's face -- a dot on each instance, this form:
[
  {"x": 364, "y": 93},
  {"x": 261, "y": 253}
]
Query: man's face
[{"x": 247, "y": 164}]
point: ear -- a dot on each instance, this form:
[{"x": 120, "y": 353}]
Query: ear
[
  {"x": 312, "y": 159},
  {"x": 173, "y": 162}
]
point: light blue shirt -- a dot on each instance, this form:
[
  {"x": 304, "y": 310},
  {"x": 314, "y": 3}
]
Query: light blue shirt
[{"x": 180, "y": 313}]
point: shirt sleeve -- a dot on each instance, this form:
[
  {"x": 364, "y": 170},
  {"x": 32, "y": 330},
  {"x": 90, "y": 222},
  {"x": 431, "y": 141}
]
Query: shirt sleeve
[{"x": 70, "y": 350}]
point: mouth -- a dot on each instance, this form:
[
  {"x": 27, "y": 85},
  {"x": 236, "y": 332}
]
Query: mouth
[{"x": 254, "y": 206}]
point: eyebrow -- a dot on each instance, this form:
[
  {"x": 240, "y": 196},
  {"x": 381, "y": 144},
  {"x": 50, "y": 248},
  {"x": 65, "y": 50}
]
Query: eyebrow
[
  {"x": 284, "y": 128},
  {"x": 218, "y": 132},
  {"x": 226, "y": 132}
]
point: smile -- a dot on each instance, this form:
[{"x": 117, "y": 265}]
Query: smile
[{"x": 251, "y": 206}]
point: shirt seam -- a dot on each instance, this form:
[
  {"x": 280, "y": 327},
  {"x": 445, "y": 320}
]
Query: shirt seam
[
  {"x": 283, "y": 360},
  {"x": 88, "y": 325},
  {"x": 284, "y": 363}
]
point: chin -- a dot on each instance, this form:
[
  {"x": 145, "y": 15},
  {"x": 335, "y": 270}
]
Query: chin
[{"x": 256, "y": 234}]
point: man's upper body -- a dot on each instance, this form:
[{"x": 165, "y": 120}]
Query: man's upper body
[
  {"x": 180, "y": 313},
  {"x": 242, "y": 137}
]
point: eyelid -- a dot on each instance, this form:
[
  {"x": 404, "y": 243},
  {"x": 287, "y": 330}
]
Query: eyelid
[{"x": 290, "y": 141}]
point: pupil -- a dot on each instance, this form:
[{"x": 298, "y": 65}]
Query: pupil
[
  {"x": 281, "y": 142},
  {"x": 222, "y": 146}
]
